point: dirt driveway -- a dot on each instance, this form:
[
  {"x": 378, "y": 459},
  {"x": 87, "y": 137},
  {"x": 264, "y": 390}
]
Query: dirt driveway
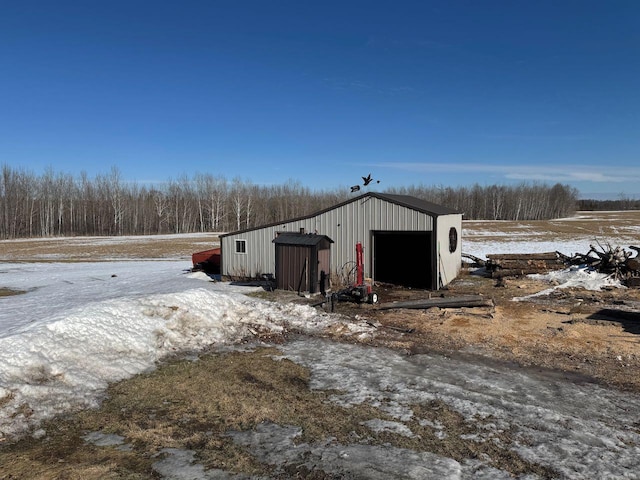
[{"x": 593, "y": 333}]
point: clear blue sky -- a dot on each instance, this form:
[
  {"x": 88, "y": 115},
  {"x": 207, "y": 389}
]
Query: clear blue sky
[{"x": 414, "y": 92}]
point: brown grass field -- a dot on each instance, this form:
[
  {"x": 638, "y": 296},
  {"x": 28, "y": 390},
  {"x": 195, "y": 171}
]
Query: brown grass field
[
  {"x": 88, "y": 249},
  {"x": 602, "y": 225},
  {"x": 192, "y": 405},
  {"x": 592, "y": 225}
]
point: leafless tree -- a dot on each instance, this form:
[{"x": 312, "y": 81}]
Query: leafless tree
[{"x": 58, "y": 204}]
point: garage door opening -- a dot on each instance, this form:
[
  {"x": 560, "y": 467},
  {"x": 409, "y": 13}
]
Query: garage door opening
[{"x": 403, "y": 258}]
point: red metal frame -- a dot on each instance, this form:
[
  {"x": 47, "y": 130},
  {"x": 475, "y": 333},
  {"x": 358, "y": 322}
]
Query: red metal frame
[{"x": 359, "y": 264}]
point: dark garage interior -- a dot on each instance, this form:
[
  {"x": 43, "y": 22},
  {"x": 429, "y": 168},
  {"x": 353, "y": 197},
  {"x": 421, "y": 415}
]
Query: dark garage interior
[{"x": 403, "y": 258}]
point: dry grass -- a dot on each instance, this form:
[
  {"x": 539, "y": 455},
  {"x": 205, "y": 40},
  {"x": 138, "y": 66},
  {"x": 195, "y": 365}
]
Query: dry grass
[
  {"x": 565, "y": 330},
  {"x": 593, "y": 225},
  {"x": 75, "y": 249},
  {"x": 193, "y": 405},
  {"x": 7, "y": 292}
]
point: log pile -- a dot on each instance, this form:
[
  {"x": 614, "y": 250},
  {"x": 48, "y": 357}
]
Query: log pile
[
  {"x": 519, "y": 264},
  {"x": 621, "y": 264}
]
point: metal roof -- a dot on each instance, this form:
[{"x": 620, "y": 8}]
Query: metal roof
[
  {"x": 414, "y": 203},
  {"x": 305, "y": 239}
]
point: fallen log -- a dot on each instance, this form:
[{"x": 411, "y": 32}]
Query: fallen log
[
  {"x": 440, "y": 302},
  {"x": 478, "y": 262}
]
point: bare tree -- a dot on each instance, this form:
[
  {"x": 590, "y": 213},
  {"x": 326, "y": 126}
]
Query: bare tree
[
  {"x": 237, "y": 201},
  {"x": 161, "y": 208},
  {"x": 58, "y": 204}
]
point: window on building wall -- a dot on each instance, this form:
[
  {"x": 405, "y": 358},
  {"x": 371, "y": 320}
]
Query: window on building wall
[
  {"x": 241, "y": 246},
  {"x": 453, "y": 239}
]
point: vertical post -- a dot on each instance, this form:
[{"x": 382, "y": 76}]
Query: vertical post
[{"x": 359, "y": 264}]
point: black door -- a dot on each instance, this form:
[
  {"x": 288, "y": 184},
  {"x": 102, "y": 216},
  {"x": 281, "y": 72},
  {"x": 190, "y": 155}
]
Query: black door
[{"x": 403, "y": 258}]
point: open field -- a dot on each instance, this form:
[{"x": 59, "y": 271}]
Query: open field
[
  {"x": 92, "y": 249},
  {"x": 595, "y": 225},
  {"x": 203, "y": 418},
  {"x": 584, "y": 228}
]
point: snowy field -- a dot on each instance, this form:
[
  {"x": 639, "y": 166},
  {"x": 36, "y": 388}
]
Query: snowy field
[{"x": 80, "y": 326}]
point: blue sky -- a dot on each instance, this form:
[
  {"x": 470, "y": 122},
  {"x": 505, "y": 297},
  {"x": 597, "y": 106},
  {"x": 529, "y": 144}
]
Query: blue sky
[{"x": 444, "y": 93}]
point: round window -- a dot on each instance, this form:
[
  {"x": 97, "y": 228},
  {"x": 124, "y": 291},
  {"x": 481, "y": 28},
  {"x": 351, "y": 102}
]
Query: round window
[{"x": 453, "y": 239}]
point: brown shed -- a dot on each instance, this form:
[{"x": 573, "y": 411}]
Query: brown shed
[{"x": 302, "y": 260}]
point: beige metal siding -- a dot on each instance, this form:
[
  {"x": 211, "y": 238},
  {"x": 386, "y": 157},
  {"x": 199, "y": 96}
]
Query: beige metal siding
[
  {"x": 345, "y": 225},
  {"x": 449, "y": 263}
]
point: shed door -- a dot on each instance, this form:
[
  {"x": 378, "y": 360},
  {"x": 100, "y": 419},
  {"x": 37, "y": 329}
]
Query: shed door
[
  {"x": 324, "y": 261},
  {"x": 292, "y": 267},
  {"x": 403, "y": 258}
]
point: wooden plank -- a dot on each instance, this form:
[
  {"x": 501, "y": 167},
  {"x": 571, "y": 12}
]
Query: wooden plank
[
  {"x": 440, "y": 302},
  {"x": 523, "y": 256}
]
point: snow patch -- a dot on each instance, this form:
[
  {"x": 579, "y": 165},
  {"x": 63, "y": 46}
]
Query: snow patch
[
  {"x": 65, "y": 362},
  {"x": 580, "y": 430},
  {"x": 574, "y": 277}
]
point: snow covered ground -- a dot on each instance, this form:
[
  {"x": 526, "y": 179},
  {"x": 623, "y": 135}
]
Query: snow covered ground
[
  {"x": 529, "y": 242},
  {"x": 83, "y": 325}
]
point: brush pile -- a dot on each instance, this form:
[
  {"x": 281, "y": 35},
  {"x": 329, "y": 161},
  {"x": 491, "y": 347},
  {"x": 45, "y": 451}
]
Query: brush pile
[{"x": 621, "y": 264}]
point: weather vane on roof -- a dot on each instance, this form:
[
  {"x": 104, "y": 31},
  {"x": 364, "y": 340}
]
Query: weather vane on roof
[{"x": 366, "y": 181}]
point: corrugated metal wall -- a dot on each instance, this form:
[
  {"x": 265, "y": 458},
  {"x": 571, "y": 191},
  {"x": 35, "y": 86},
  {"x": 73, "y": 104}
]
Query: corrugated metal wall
[{"x": 345, "y": 225}]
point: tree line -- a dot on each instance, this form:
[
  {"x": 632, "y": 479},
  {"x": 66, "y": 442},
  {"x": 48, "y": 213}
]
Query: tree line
[
  {"x": 59, "y": 204},
  {"x": 622, "y": 203}
]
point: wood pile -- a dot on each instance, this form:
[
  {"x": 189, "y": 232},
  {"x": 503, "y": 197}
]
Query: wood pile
[
  {"x": 621, "y": 264},
  {"x": 519, "y": 264}
]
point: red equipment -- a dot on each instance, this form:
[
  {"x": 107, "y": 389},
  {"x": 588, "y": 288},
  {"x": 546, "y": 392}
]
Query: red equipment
[
  {"x": 207, "y": 261},
  {"x": 362, "y": 291},
  {"x": 359, "y": 264}
]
